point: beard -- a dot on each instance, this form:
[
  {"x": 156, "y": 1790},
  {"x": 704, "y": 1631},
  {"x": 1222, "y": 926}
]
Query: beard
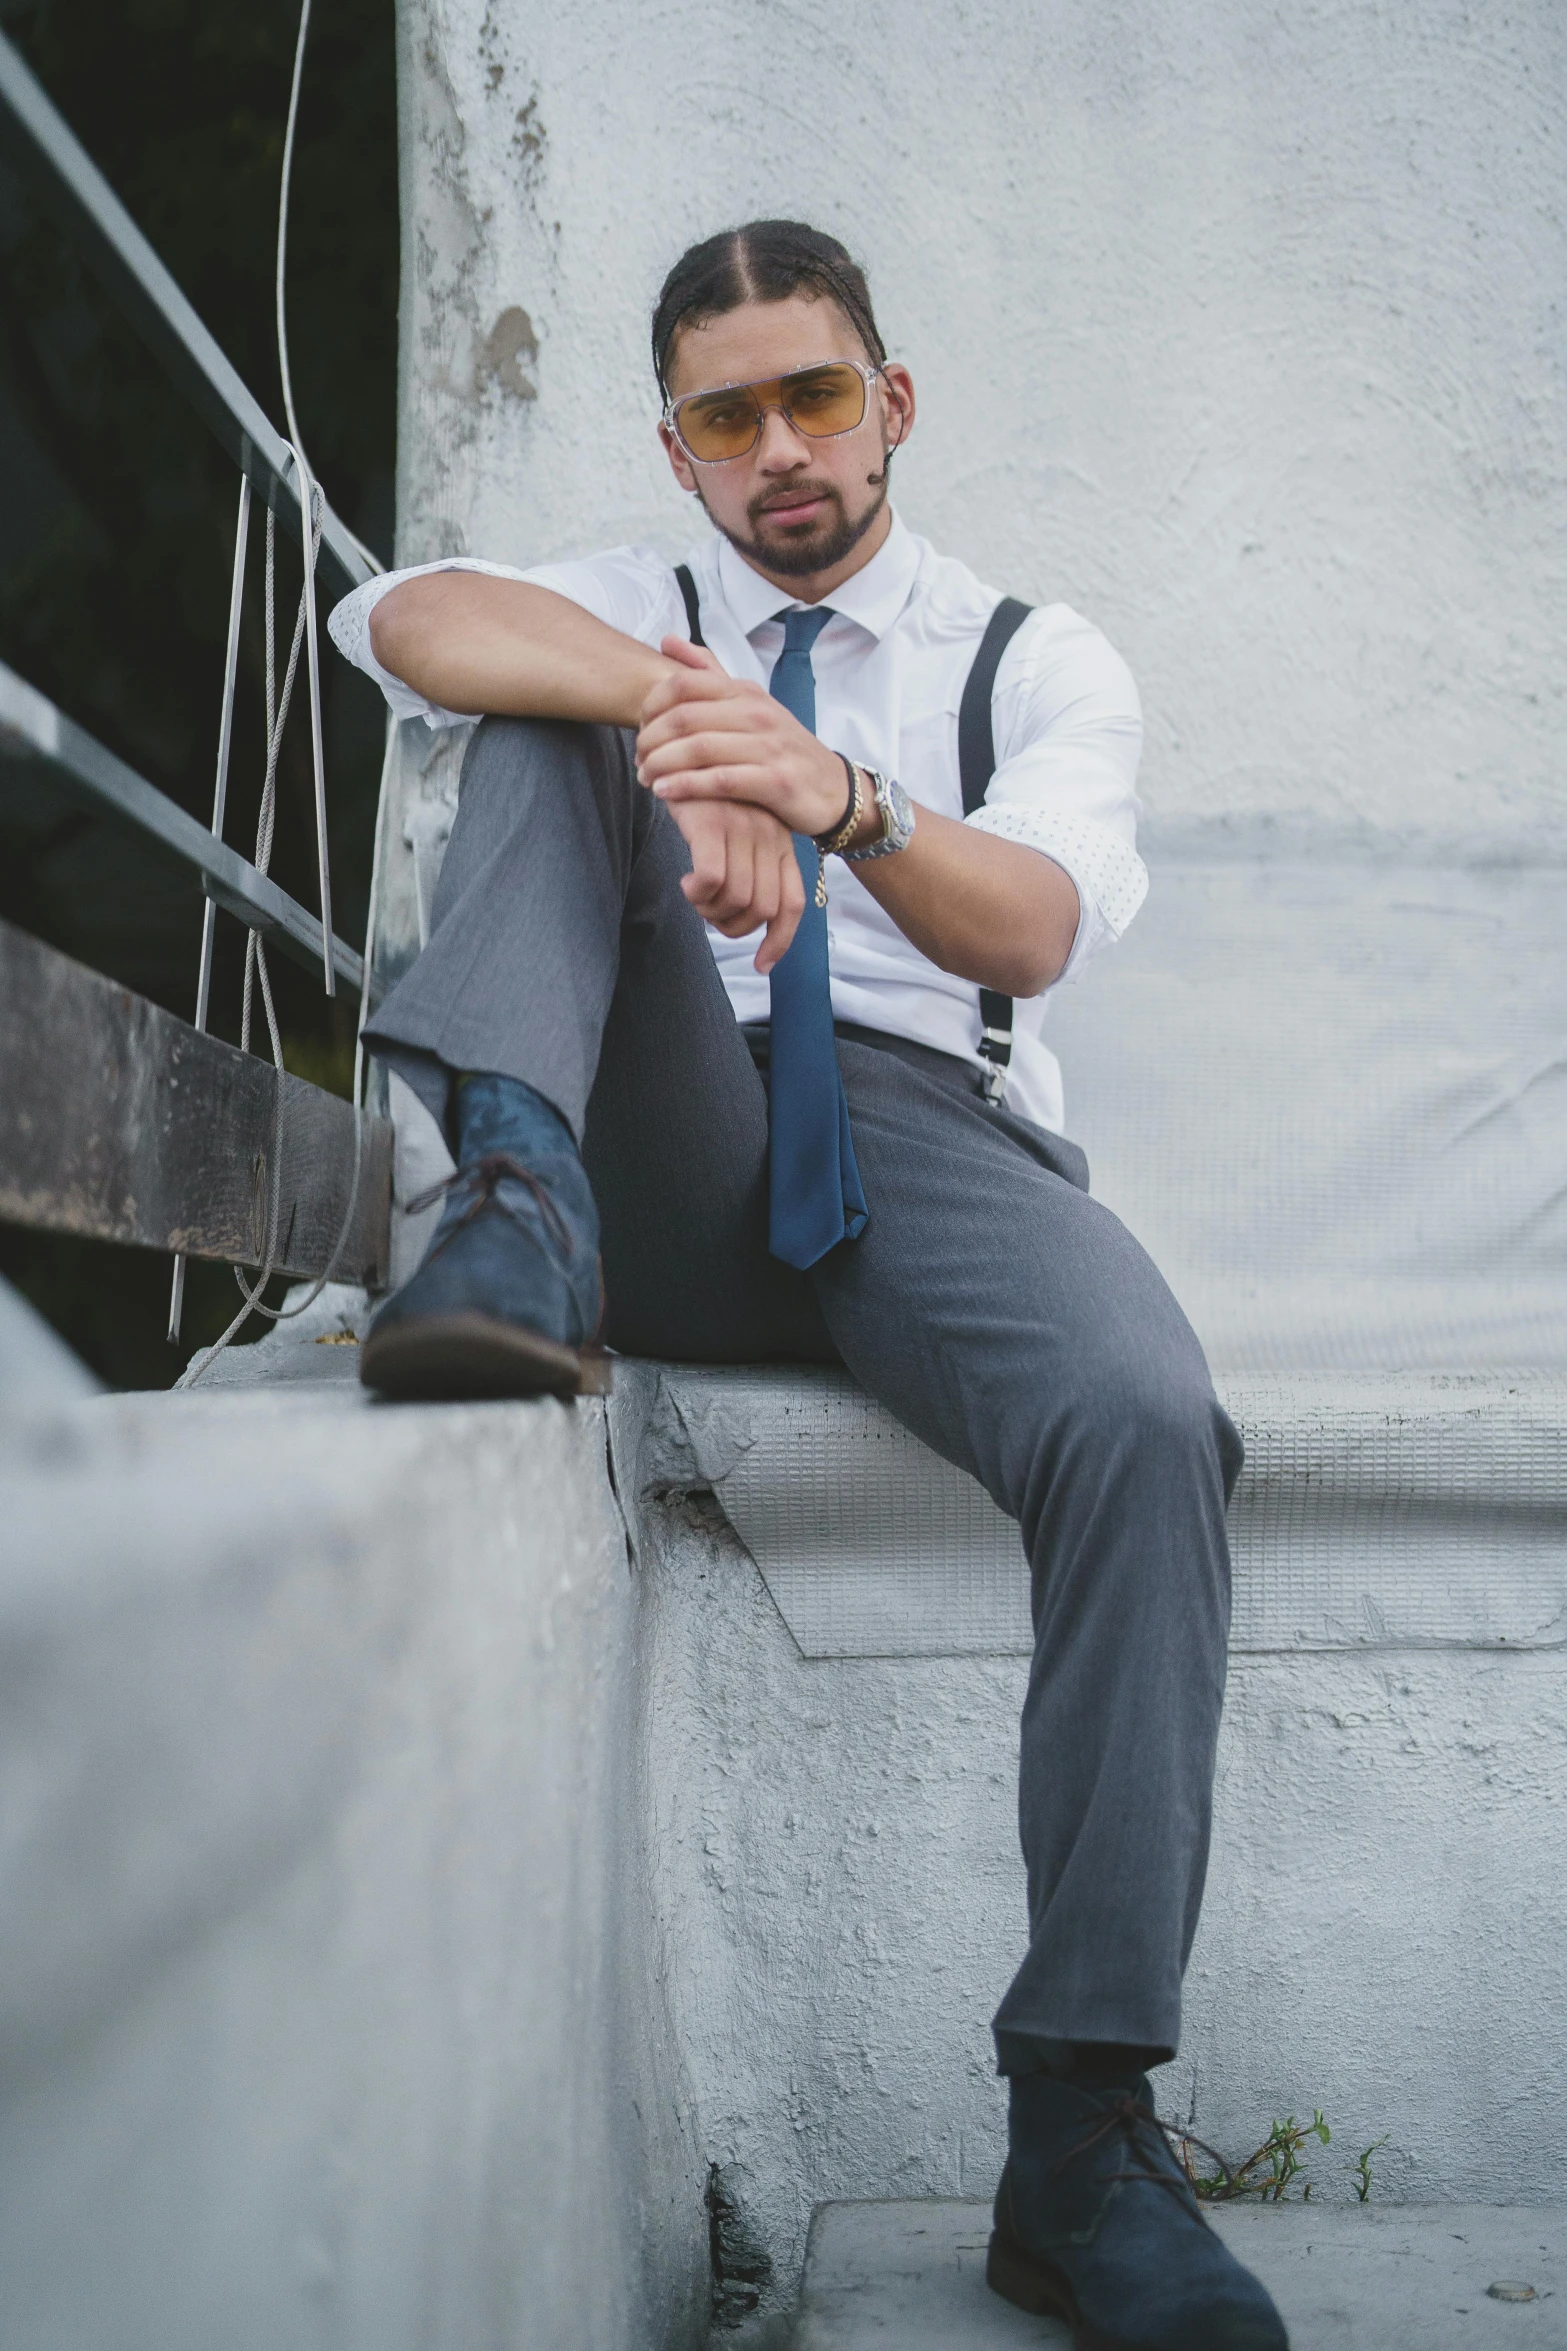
[{"x": 796, "y": 552}]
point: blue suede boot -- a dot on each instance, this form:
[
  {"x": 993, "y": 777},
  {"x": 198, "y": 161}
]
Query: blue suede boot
[
  {"x": 509, "y": 1298},
  {"x": 1097, "y": 2223}
]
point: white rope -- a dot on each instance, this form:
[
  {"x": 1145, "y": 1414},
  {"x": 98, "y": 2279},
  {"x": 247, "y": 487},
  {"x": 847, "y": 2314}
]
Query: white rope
[
  {"x": 281, "y": 280},
  {"x": 277, "y": 716},
  {"x": 373, "y": 915},
  {"x": 277, "y": 707},
  {"x": 220, "y": 789},
  {"x": 282, "y": 240},
  {"x": 256, "y": 967}
]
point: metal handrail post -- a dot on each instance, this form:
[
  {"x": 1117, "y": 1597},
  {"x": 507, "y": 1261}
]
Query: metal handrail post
[
  {"x": 220, "y": 789},
  {"x": 317, "y": 750},
  {"x": 220, "y": 793}
]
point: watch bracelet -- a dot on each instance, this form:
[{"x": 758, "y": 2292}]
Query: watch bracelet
[{"x": 897, "y": 825}]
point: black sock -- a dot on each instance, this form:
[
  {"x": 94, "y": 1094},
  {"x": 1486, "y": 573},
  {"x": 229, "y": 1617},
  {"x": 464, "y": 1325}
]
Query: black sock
[
  {"x": 1110, "y": 2064},
  {"x": 1096, "y": 2064}
]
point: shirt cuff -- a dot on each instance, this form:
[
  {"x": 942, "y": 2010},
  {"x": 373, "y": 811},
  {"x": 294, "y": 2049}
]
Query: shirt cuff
[{"x": 1110, "y": 878}]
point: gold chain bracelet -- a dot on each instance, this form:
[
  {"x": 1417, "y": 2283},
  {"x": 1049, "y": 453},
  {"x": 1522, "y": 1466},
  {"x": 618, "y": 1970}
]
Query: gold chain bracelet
[
  {"x": 829, "y": 844},
  {"x": 842, "y": 834}
]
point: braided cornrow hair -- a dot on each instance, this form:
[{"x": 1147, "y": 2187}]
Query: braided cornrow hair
[{"x": 765, "y": 261}]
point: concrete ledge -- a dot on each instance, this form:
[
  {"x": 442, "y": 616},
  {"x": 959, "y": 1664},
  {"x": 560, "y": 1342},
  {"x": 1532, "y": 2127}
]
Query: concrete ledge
[
  {"x": 913, "y": 2274},
  {"x": 422, "y": 1883},
  {"x": 1375, "y": 1511},
  {"x": 331, "y": 1993},
  {"x": 838, "y": 1846},
  {"x": 832, "y": 1839}
]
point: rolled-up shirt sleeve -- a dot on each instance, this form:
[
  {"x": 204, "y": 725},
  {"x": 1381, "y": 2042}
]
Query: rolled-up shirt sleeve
[
  {"x": 629, "y": 588},
  {"x": 1069, "y": 734}
]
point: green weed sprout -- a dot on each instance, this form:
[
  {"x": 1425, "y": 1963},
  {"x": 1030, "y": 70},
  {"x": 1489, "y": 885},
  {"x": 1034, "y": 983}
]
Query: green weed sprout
[
  {"x": 1267, "y": 2172},
  {"x": 1362, "y": 2168}
]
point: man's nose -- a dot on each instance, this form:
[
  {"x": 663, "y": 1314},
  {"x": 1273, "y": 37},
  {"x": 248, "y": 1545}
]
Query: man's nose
[{"x": 782, "y": 445}]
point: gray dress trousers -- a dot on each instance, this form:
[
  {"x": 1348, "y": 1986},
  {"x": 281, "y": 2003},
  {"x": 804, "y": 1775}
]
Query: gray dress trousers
[{"x": 999, "y": 1312}]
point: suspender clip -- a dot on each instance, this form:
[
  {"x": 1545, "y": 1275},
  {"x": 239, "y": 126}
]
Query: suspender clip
[{"x": 995, "y": 1049}]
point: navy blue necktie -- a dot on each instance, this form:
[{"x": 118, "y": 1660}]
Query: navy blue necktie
[{"x": 815, "y": 1198}]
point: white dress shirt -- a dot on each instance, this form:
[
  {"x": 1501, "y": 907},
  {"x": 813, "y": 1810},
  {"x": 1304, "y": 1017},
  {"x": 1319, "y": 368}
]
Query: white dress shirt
[{"x": 890, "y": 668}]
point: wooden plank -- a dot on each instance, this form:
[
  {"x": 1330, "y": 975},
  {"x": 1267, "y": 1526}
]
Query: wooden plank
[{"x": 121, "y": 1123}]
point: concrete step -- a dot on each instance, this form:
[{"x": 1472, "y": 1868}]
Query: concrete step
[{"x": 1356, "y": 2278}]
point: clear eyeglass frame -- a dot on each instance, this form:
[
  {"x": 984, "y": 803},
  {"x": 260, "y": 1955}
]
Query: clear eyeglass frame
[{"x": 764, "y": 409}]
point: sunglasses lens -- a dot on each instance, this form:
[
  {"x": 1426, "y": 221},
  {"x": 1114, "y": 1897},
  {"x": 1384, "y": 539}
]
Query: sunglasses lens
[
  {"x": 820, "y": 401},
  {"x": 824, "y": 400},
  {"x": 716, "y": 425}
]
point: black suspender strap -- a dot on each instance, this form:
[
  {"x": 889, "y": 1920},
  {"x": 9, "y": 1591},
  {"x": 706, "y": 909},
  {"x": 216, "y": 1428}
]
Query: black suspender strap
[
  {"x": 976, "y": 766},
  {"x": 693, "y": 608}
]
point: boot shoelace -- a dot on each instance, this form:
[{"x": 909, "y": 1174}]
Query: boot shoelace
[
  {"x": 486, "y": 1176},
  {"x": 1130, "y": 2115}
]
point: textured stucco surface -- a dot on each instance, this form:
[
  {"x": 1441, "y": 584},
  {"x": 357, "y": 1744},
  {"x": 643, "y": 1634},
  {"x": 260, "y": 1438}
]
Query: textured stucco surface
[
  {"x": 836, "y": 1850},
  {"x": 1240, "y": 331},
  {"x": 1383, "y": 1935}
]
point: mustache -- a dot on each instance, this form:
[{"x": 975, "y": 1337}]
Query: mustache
[{"x": 795, "y": 495}]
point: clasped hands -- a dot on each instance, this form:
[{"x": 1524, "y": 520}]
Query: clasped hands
[{"x": 740, "y": 776}]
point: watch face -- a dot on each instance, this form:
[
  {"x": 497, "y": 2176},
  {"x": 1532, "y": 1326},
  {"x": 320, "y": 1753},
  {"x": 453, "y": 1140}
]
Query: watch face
[
  {"x": 899, "y": 816},
  {"x": 897, "y": 820}
]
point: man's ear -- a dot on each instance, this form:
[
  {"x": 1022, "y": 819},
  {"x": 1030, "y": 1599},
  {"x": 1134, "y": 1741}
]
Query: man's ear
[
  {"x": 679, "y": 462},
  {"x": 897, "y": 391}
]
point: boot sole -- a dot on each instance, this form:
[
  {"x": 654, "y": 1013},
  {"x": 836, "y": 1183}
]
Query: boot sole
[
  {"x": 1027, "y": 2284},
  {"x": 474, "y": 1358},
  {"x": 1041, "y": 2290}
]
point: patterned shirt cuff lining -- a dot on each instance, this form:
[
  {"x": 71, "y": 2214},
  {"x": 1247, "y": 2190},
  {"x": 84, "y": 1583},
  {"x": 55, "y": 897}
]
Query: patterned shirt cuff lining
[{"x": 1102, "y": 866}]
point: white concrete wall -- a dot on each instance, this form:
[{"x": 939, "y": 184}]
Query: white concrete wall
[
  {"x": 409, "y": 1900},
  {"x": 1237, "y": 329},
  {"x": 332, "y": 2002},
  {"x": 1240, "y": 332},
  {"x": 1384, "y": 1937}
]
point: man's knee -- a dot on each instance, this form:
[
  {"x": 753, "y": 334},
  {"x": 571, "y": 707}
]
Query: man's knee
[
  {"x": 519, "y": 774},
  {"x": 1152, "y": 1404},
  {"x": 507, "y": 751}
]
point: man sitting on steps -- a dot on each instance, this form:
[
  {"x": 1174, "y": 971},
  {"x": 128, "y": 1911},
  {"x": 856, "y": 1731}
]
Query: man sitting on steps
[{"x": 716, "y": 999}]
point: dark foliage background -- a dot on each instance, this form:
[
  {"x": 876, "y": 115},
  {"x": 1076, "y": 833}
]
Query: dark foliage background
[{"x": 117, "y": 519}]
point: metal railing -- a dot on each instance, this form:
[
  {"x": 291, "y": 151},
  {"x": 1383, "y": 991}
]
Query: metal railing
[
  {"x": 31, "y": 728},
  {"x": 38, "y": 144},
  {"x": 36, "y": 140}
]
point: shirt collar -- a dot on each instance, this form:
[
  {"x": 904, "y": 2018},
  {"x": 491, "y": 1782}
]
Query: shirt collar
[{"x": 872, "y": 598}]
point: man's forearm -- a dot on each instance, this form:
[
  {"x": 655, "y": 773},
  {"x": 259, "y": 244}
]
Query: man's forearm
[
  {"x": 473, "y": 643},
  {"x": 990, "y": 911},
  {"x": 986, "y": 910}
]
